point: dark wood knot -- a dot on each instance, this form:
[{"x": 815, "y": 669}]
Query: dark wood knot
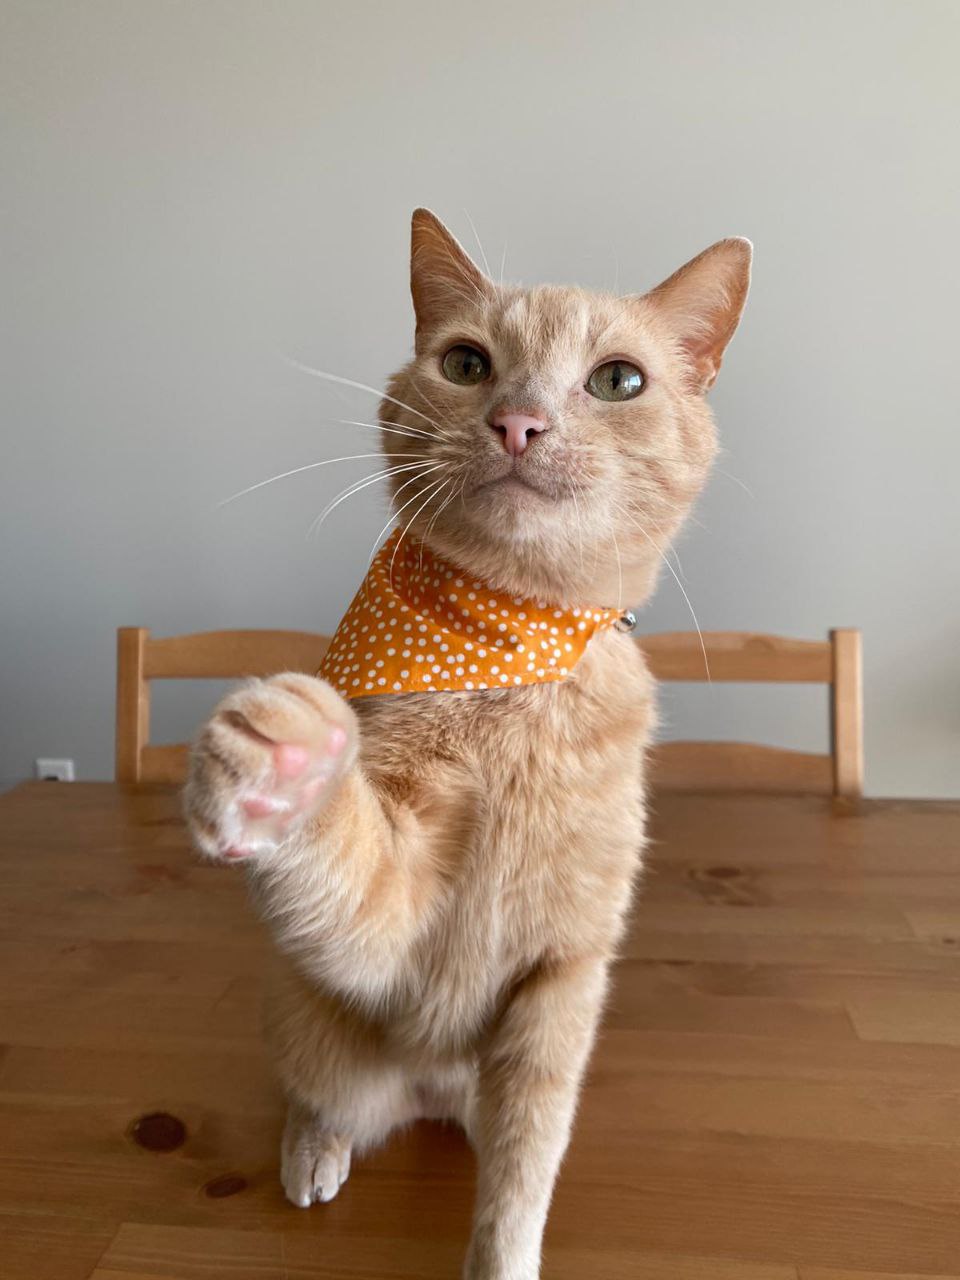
[
  {"x": 159, "y": 1131},
  {"x": 229, "y": 1184}
]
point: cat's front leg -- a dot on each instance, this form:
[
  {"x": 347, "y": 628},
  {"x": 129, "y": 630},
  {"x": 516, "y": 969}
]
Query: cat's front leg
[
  {"x": 346, "y": 882},
  {"x": 530, "y": 1076},
  {"x": 269, "y": 759}
]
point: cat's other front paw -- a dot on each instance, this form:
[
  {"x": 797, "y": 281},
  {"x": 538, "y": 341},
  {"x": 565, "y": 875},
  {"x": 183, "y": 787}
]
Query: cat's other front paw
[
  {"x": 314, "y": 1162},
  {"x": 267, "y": 760}
]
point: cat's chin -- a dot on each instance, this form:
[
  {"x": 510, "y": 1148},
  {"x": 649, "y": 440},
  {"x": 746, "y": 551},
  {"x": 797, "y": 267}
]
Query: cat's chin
[{"x": 513, "y": 506}]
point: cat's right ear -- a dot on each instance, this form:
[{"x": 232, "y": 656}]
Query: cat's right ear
[
  {"x": 443, "y": 279},
  {"x": 703, "y": 302}
]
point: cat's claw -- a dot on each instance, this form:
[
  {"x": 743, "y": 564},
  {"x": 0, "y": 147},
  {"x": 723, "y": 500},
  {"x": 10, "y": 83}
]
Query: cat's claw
[
  {"x": 265, "y": 762},
  {"x": 314, "y": 1164}
]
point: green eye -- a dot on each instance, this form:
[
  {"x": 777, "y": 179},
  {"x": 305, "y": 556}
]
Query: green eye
[
  {"x": 616, "y": 380},
  {"x": 465, "y": 365}
]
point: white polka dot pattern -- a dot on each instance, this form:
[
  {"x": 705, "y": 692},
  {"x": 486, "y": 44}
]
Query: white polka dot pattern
[{"x": 418, "y": 624}]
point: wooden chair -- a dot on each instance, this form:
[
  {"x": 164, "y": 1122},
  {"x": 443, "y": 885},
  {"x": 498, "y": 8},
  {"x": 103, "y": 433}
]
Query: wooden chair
[{"x": 684, "y": 766}]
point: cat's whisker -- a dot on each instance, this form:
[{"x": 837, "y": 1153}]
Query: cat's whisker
[
  {"x": 656, "y": 547},
  {"x": 310, "y": 466},
  {"x": 651, "y": 493},
  {"x": 576, "y": 507},
  {"x": 477, "y": 298},
  {"x": 676, "y": 555},
  {"x": 393, "y": 517},
  {"x": 358, "y": 386},
  {"x": 503, "y": 263},
  {"x": 427, "y": 401},
  {"x": 616, "y": 547},
  {"x": 358, "y": 485},
  {"x": 413, "y": 432},
  {"x": 736, "y": 480},
  {"x": 443, "y": 507},
  {"x": 394, "y": 513},
  {"x": 354, "y": 487},
  {"x": 433, "y": 520},
  {"x": 462, "y": 491},
  {"x": 430, "y": 496},
  {"x": 469, "y": 291},
  {"x": 476, "y": 237}
]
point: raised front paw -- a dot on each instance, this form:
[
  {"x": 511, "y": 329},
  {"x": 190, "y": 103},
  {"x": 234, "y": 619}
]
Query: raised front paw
[{"x": 268, "y": 759}]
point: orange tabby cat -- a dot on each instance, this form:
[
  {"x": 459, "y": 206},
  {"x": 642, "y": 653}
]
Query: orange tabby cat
[{"x": 446, "y": 873}]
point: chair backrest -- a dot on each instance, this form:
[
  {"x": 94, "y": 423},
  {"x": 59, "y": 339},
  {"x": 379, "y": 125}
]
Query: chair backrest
[
  {"x": 740, "y": 656},
  {"x": 686, "y": 766},
  {"x": 206, "y": 655}
]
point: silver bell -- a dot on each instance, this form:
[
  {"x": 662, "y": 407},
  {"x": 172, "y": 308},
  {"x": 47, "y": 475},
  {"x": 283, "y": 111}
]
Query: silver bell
[{"x": 627, "y": 621}]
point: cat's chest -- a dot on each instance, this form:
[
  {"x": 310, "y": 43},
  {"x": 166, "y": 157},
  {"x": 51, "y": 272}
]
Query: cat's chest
[
  {"x": 550, "y": 862},
  {"x": 550, "y": 869},
  {"x": 563, "y": 827},
  {"x": 558, "y": 769}
]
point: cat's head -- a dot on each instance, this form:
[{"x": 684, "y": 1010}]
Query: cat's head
[{"x": 566, "y": 430}]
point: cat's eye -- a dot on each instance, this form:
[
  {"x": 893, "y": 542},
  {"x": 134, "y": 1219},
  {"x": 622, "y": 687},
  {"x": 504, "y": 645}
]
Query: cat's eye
[
  {"x": 616, "y": 380},
  {"x": 465, "y": 365}
]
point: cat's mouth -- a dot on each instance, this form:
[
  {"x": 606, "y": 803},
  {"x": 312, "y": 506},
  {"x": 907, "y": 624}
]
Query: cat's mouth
[
  {"x": 512, "y": 480},
  {"x": 523, "y": 483}
]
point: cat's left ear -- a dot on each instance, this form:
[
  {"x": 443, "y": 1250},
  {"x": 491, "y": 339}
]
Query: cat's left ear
[
  {"x": 702, "y": 303},
  {"x": 443, "y": 279}
]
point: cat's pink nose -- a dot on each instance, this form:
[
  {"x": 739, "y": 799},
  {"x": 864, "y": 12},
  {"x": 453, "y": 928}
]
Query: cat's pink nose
[{"x": 516, "y": 430}]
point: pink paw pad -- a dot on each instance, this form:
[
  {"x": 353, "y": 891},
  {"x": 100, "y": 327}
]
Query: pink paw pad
[{"x": 290, "y": 760}]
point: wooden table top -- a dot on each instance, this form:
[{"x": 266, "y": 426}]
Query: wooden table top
[{"x": 775, "y": 1094}]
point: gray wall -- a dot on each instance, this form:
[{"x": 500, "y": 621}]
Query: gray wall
[{"x": 195, "y": 187}]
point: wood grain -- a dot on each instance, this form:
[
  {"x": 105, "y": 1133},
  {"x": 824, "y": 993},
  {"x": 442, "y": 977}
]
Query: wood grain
[
  {"x": 775, "y": 1093},
  {"x": 233, "y": 655},
  {"x": 736, "y": 656}
]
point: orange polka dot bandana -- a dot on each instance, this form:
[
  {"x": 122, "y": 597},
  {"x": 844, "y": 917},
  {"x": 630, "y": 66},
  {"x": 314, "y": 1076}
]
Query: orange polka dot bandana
[{"x": 420, "y": 625}]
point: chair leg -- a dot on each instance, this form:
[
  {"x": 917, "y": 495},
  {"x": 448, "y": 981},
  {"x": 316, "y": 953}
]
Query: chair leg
[
  {"x": 846, "y": 713},
  {"x": 133, "y": 702}
]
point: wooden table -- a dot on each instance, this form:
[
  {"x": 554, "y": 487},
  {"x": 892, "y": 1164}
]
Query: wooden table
[{"x": 775, "y": 1096}]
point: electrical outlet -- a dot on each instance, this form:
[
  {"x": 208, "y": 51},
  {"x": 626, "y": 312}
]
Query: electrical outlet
[{"x": 49, "y": 770}]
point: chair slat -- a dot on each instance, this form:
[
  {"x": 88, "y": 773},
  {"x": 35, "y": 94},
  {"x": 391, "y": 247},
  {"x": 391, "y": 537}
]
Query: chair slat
[
  {"x": 673, "y": 766},
  {"x": 167, "y": 763},
  {"x": 738, "y": 766},
  {"x": 737, "y": 655},
  {"x": 232, "y": 655}
]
